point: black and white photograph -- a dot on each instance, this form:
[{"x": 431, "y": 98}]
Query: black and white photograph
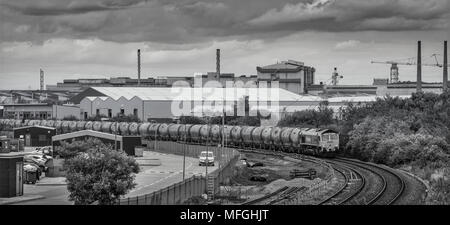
[{"x": 230, "y": 103}]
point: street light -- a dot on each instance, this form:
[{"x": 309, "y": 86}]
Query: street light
[
  {"x": 184, "y": 152},
  {"x": 156, "y": 130}
]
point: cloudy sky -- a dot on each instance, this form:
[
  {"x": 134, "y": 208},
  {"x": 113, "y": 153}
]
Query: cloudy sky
[{"x": 99, "y": 38}]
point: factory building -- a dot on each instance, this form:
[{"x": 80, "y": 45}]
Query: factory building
[
  {"x": 169, "y": 103},
  {"x": 78, "y": 85},
  {"x": 291, "y": 75},
  {"x": 380, "y": 87},
  {"x": 28, "y": 111},
  {"x": 42, "y": 111}
]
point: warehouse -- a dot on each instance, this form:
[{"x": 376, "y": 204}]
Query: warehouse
[
  {"x": 35, "y": 135},
  {"x": 158, "y": 103}
]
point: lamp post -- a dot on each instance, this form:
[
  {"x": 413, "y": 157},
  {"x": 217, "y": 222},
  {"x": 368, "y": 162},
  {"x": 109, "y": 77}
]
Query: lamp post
[
  {"x": 156, "y": 130},
  {"x": 184, "y": 152}
]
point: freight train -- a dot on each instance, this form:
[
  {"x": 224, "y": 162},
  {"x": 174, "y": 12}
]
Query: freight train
[{"x": 310, "y": 141}]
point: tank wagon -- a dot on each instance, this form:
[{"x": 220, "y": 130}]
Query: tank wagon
[{"x": 312, "y": 141}]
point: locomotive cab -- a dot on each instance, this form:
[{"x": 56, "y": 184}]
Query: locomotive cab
[{"x": 329, "y": 142}]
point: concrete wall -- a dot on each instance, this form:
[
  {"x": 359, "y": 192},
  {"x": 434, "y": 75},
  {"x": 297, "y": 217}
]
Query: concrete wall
[{"x": 61, "y": 111}]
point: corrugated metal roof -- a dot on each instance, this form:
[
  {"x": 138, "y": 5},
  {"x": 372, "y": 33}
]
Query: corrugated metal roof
[{"x": 207, "y": 93}]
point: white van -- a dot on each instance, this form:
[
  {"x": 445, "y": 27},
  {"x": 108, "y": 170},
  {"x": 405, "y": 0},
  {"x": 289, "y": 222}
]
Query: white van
[{"x": 206, "y": 158}]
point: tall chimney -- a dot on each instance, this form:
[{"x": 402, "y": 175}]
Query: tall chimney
[
  {"x": 217, "y": 64},
  {"x": 419, "y": 67},
  {"x": 139, "y": 66},
  {"x": 41, "y": 75},
  {"x": 445, "y": 67}
]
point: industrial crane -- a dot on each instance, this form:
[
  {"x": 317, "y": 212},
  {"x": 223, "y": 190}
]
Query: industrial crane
[{"x": 394, "y": 68}]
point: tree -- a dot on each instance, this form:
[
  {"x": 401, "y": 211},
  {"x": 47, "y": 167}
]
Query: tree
[
  {"x": 309, "y": 118},
  {"x": 100, "y": 174},
  {"x": 68, "y": 150}
]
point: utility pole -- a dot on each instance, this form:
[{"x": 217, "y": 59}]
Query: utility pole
[
  {"x": 445, "y": 81},
  {"x": 184, "y": 152},
  {"x": 419, "y": 67}
]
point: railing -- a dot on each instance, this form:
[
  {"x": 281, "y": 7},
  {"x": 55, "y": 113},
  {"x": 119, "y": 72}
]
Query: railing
[{"x": 190, "y": 187}]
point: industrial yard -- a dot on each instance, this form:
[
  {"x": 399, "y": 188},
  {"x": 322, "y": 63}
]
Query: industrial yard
[{"x": 224, "y": 104}]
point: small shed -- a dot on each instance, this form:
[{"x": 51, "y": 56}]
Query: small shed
[
  {"x": 11, "y": 175},
  {"x": 35, "y": 135},
  {"x": 124, "y": 143}
]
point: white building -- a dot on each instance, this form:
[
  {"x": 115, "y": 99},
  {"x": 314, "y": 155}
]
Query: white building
[{"x": 168, "y": 103}]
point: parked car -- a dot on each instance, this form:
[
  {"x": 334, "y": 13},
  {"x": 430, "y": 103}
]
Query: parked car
[
  {"x": 46, "y": 150},
  {"x": 36, "y": 159},
  {"x": 206, "y": 158}
]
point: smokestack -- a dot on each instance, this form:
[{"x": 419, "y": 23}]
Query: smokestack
[
  {"x": 419, "y": 67},
  {"x": 41, "y": 73},
  {"x": 445, "y": 67},
  {"x": 218, "y": 64},
  {"x": 139, "y": 66}
]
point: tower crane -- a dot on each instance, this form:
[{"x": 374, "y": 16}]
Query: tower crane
[{"x": 394, "y": 67}]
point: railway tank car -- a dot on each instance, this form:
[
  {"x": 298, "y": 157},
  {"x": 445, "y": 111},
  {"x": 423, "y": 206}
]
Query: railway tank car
[
  {"x": 106, "y": 127},
  {"x": 236, "y": 136},
  {"x": 134, "y": 129},
  {"x": 246, "y": 134},
  {"x": 312, "y": 141},
  {"x": 194, "y": 133},
  {"x": 89, "y": 125},
  {"x": 174, "y": 132}
]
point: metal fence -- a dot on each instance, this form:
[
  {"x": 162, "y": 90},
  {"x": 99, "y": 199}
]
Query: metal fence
[{"x": 190, "y": 187}]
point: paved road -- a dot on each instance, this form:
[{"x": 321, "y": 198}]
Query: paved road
[
  {"x": 151, "y": 178},
  {"x": 53, "y": 195}
]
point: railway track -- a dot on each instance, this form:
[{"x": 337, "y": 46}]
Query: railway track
[
  {"x": 277, "y": 196},
  {"x": 353, "y": 184},
  {"x": 379, "y": 185},
  {"x": 361, "y": 182}
]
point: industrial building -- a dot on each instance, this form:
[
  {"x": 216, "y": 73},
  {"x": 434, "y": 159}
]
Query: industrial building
[
  {"x": 34, "y": 96},
  {"x": 380, "y": 87},
  {"x": 28, "y": 111},
  {"x": 291, "y": 75},
  {"x": 158, "y": 103},
  {"x": 78, "y": 85}
]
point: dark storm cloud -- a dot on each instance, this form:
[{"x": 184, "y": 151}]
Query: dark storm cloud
[
  {"x": 62, "y": 7},
  {"x": 191, "y": 21}
]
